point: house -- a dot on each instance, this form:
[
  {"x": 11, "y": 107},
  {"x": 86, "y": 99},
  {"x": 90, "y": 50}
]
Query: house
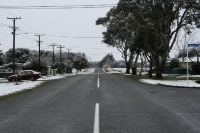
[{"x": 191, "y": 61}]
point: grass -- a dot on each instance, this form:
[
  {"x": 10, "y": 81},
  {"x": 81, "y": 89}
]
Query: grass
[
  {"x": 169, "y": 77},
  {"x": 21, "y": 92},
  {"x": 141, "y": 77}
]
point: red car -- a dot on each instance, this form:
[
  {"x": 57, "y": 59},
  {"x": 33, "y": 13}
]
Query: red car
[{"x": 25, "y": 75}]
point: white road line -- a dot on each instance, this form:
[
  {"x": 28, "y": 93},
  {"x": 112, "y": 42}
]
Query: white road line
[
  {"x": 96, "y": 119},
  {"x": 98, "y": 84}
]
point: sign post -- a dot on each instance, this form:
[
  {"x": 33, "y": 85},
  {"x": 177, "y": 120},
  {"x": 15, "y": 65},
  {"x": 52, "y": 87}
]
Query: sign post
[{"x": 190, "y": 45}]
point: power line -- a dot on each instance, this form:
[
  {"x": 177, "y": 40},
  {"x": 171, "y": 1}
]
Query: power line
[
  {"x": 59, "y": 7},
  {"x": 2, "y": 24},
  {"x": 87, "y": 37},
  {"x": 93, "y": 6},
  {"x": 24, "y": 24},
  {"x": 102, "y": 53},
  {"x": 4, "y": 36}
]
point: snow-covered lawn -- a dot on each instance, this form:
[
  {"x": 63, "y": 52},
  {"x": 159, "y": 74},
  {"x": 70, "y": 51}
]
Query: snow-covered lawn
[
  {"x": 180, "y": 83},
  {"x": 10, "y": 87}
]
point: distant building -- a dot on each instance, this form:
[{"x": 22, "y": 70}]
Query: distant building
[{"x": 191, "y": 61}]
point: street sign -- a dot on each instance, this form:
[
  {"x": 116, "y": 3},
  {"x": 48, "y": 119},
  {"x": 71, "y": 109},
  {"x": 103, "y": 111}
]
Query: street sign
[
  {"x": 190, "y": 45},
  {"x": 193, "y": 45}
]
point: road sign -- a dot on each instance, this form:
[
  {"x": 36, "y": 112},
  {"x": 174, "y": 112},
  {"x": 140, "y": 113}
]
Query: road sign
[{"x": 193, "y": 45}]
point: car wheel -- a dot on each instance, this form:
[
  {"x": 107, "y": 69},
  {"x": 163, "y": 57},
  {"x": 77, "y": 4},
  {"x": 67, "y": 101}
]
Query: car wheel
[
  {"x": 32, "y": 78},
  {"x": 13, "y": 80}
]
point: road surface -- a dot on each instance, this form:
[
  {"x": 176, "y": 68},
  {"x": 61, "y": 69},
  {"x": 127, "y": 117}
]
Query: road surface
[{"x": 100, "y": 102}]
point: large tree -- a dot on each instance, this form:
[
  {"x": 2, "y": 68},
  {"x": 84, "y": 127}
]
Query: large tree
[
  {"x": 107, "y": 60},
  {"x": 21, "y": 55},
  {"x": 183, "y": 39},
  {"x": 165, "y": 18},
  {"x": 80, "y": 62},
  {"x": 119, "y": 34},
  {"x": 2, "y": 61}
]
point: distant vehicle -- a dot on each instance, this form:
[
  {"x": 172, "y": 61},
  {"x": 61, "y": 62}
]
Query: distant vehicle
[{"x": 25, "y": 75}]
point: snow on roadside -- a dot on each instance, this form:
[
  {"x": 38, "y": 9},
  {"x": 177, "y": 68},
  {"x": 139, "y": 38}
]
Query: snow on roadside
[
  {"x": 91, "y": 70},
  {"x": 180, "y": 83},
  {"x": 8, "y": 88},
  {"x": 45, "y": 78}
]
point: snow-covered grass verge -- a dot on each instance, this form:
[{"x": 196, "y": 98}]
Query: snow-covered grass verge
[
  {"x": 180, "y": 83},
  {"x": 9, "y": 88}
]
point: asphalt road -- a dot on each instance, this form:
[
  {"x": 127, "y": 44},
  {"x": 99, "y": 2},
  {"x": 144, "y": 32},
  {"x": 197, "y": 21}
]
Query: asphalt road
[{"x": 100, "y": 102}]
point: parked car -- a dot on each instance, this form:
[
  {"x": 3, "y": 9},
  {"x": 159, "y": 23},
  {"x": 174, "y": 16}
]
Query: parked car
[{"x": 25, "y": 75}]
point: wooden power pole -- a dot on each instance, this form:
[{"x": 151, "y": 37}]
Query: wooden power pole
[
  {"x": 14, "y": 29},
  {"x": 53, "y": 45},
  {"x": 60, "y": 56},
  {"x": 39, "y": 51}
]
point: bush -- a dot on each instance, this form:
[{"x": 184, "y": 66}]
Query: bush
[
  {"x": 34, "y": 65},
  {"x": 195, "y": 69},
  {"x": 174, "y": 63}
]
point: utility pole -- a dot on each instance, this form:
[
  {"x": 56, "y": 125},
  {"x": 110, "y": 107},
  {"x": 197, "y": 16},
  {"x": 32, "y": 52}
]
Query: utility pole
[
  {"x": 68, "y": 57},
  {"x": 39, "y": 50},
  {"x": 53, "y": 45},
  {"x": 60, "y": 57},
  {"x": 14, "y": 29}
]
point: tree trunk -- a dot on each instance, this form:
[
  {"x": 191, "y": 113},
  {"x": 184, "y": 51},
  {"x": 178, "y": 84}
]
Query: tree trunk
[
  {"x": 134, "y": 70},
  {"x": 159, "y": 68},
  {"x": 128, "y": 67},
  {"x": 150, "y": 60},
  {"x": 150, "y": 69},
  {"x": 142, "y": 65},
  {"x": 159, "y": 74},
  {"x": 129, "y": 63}
]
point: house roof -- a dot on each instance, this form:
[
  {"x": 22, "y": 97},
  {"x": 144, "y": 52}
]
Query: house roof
[{"x": 193, "y": 59}]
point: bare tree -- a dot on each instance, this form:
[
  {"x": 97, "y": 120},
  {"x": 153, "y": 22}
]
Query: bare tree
[{"x": 184, "y": 37}]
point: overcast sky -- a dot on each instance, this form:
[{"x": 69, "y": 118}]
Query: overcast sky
[{"x": 54, "y": 24}]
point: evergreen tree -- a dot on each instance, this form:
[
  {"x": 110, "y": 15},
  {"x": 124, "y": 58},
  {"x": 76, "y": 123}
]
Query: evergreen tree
[{"x": 107, "y": 60}]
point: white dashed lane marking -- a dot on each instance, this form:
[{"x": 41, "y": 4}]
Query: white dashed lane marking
[{"x": 96, "y": 119}]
